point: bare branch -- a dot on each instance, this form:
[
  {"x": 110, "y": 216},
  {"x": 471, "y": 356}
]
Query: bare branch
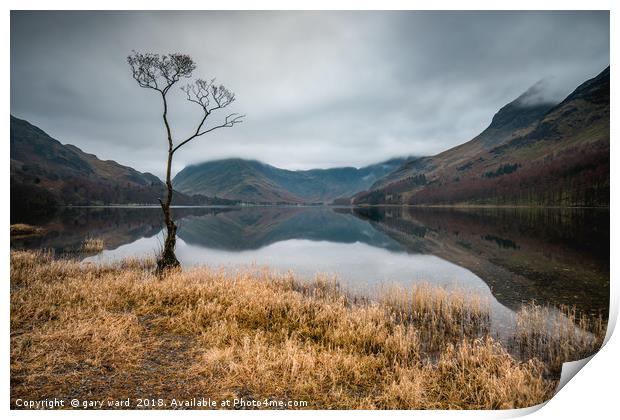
[
  {"x": 160, "y": 72},
  {"x": 229, "y": 121},
  {"x": 210, "y": 97},
  {"x": 199, "y": 92}
]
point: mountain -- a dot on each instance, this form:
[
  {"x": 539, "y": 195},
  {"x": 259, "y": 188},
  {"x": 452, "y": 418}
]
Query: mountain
[
  {"x": 257, "y": 182},
  {"x": 509, "y": 122},
  {"x": 45, "y": 173},
  {"x": 531, "y": 154}
]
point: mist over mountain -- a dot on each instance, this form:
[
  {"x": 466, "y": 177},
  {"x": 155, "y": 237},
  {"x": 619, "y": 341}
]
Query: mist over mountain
[
  {"x": 258, "y": 182},
  {"x": 46, "y": 173},
  {"x": 532, "y": 153}
]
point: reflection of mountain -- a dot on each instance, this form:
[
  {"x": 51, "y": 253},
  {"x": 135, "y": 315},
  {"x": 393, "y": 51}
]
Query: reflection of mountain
[
  {"x": 256, "y": 227},
  {"x": 116, "y": 226},
  {"x": 552, "y": 256}
]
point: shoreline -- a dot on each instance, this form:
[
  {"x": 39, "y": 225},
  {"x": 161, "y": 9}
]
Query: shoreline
[
  {"x": 431, "y": 206},
  {"x": 116, "y": 330}
]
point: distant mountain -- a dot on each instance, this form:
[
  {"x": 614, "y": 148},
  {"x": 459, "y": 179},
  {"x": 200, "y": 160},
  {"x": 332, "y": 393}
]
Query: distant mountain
[
  {"x": 509, "y": 122},
  {"x": 257, "y": 182},
  {"x": 44, "y": 173},
  {"x": 531, "y": 153}
]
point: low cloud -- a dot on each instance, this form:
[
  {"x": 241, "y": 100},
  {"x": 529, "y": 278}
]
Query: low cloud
[{"x": 320, "y": 89}]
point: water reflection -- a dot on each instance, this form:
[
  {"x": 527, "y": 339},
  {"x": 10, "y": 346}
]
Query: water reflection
[
  {"x": 554, "y": 256},
  {"x": 510, "y": 255}
]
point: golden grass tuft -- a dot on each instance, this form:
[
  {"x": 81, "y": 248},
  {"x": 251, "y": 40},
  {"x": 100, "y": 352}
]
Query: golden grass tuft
[
  {"x": 117, "y": 330},
  {"x": 482, "y": 375},
  {"x": 441, "y": 315},
  {"x": 92, "y": 245},
  {"x": 557, "y": 335},
  {"x": 21, "y": 229}
]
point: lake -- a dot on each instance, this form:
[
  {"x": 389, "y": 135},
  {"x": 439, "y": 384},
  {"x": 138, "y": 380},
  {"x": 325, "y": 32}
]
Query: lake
[{"x": 508, "y": 256}]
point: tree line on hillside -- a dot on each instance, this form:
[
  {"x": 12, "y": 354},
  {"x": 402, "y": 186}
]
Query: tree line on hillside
[{"x": 580, "y": 180}]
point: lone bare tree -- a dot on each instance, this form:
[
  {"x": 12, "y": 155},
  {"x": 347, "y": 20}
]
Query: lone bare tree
[{"x": 161, "y": 73}]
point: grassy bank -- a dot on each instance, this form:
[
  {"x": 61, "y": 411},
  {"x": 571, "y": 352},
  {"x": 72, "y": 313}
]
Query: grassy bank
[
  {"x": 117, "y": 331},
  {"x": 22, "y": 229}
]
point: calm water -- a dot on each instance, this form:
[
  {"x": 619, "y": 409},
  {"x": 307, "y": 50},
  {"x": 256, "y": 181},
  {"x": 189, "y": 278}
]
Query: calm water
[{"x": 510, "y": 256}]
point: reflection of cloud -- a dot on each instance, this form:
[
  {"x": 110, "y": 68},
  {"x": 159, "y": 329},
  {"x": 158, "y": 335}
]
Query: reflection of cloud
[{"x": 320, "y": 89}]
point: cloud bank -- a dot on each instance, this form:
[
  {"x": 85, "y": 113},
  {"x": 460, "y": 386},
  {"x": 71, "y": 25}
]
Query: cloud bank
[{"x": 320, "y": 89}]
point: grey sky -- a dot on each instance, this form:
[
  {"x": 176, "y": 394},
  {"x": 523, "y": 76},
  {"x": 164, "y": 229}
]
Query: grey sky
[{"x": 320, "y": 89}]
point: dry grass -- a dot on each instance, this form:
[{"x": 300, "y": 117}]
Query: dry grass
[
  {"x": 21, "y": 229},
  {"x": 557, "y": 335},
  {"x": 440, "y": 315},
  {"x": 115, "y": 331},
  {"x": 92, "y": 245}
]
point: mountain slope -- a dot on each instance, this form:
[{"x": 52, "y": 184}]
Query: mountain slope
[
  {"x": 542, "y": 155},
  {"x": 253, "y": 181},
  {"x": 509, "y": 122},
  {"x": 44, "y": 173},
  {"x": 250, "y": 181}
]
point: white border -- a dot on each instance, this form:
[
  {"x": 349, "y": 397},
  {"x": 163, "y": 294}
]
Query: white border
[{"x": 592, "y": 394}]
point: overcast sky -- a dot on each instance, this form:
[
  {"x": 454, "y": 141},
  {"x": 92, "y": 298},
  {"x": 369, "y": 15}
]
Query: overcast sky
[{"x": 320, "y": 89}]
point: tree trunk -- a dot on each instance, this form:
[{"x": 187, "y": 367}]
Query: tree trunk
[{"x": 168, "y": 259}]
